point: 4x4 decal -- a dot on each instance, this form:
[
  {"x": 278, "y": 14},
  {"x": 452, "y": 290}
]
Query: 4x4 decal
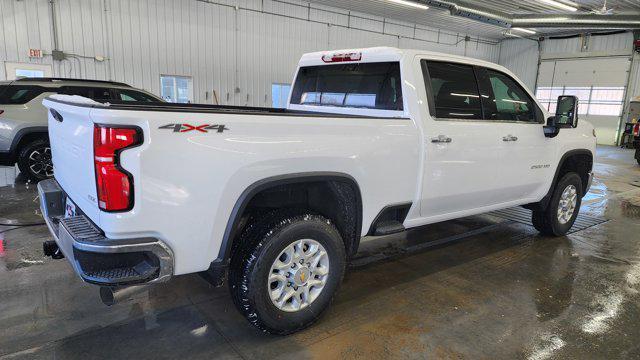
[{"x": 188, "y": 127}]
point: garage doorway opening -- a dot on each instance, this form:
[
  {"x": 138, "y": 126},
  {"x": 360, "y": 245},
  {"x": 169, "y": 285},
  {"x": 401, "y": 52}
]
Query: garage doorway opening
[{"x": 599, "y": 82}]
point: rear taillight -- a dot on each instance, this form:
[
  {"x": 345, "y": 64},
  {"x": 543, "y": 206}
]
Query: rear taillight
[
  {"x": 114, "y": 184},
  {"x": 636, "y": 130}
]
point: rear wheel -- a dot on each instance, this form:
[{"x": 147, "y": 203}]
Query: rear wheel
[
  {"x": 286, "y": 270},
  {"x": 563, "y": 208},
  {"x": 638, "y": 155},
  {"x": 34, "y": 160}
]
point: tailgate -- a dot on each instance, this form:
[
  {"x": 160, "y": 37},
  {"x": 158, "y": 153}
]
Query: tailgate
[{"x": 71, "y": 138}]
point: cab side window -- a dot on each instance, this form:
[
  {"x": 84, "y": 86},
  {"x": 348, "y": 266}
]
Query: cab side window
[
  {"x": 454, "y": 90},
  {"x": 504, "y": 99}
]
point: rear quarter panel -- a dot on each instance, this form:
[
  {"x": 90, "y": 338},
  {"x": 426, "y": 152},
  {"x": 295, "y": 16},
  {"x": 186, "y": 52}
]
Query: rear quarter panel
[{"x": 187, "y": 183}]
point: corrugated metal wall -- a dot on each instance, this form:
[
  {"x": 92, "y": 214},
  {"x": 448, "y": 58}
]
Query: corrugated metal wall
[
  {"x": 521, "y": 57},
  {"x": 591, "y": 44},
  {"x": 236, "y": 47}
]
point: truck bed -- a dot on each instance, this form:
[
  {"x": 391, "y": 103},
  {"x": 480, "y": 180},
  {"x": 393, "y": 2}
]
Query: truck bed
[{"x": 206, "y": 108}]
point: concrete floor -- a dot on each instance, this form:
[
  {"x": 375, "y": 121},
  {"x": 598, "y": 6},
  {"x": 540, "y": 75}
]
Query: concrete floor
[{"x": 498, "y": 290}]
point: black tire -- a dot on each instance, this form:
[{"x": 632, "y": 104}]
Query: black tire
[
  {"x": 638, "y": 155},
  {"x": 34, "y": 160},
  {"x": 259, "y": 245},
  {"x": 547, "y": 222}
]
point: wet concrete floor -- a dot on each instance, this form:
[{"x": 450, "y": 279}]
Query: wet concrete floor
[{"x": 497, "y": 290}]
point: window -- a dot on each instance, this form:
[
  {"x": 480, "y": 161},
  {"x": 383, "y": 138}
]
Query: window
[
  {"x": 28, "y": 70},
  {"x": 454, "y": 90},
  {"x": 19, "y": 94},
  {"x": 26, "y": 73},
  {"x": 132, "y": 95},
  {"x": 177, "y": 89},
  {"x": 93, "y": 93},
  {"x": 504, "y": 99},
  {"x": 548, "y": 96},
  {"x": 280, "y": 95},
  {"x": 606, "y": 101},
  {"x": 592, "y": 100},
  {"x": 359, "y": 85}
]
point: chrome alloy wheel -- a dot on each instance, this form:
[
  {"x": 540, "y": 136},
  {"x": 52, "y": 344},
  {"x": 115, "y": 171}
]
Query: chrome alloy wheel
[
  {"x": 567, "y": 204},
  {"x": 298, "y": 275},
  {"x": 40, "y": 162}
]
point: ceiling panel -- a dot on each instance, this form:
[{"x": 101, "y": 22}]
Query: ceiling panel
[{"x": 441, "y": 19}]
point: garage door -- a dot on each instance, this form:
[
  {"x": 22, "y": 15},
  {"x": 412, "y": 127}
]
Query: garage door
[{"x": 598, "y": 82}]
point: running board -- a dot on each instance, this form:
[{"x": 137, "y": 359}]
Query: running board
[{"x": 388, "y": 227}]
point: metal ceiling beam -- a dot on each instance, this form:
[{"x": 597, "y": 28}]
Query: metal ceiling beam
[
  {"x": 586, "y": 21},
  {"x": 493, "y": 17}
]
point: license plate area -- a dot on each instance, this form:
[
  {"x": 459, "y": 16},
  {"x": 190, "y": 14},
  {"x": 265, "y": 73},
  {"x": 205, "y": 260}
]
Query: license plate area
[{"x": 70, "y": 209}]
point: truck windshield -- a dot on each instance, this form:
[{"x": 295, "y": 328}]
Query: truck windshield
[{"x": 359, "y": 85}]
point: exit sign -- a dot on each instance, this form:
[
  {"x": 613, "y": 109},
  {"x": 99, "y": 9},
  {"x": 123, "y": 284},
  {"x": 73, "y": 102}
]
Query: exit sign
[{"x": 35, "y": 53}]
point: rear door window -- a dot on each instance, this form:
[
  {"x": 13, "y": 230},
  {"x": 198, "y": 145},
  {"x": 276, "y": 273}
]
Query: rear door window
[
  {"x": 19, "y": 94},
  {"x": 354, "y": 85},
  {"x": 94, "y": 93},
  {"x": 454, "y": 90}
]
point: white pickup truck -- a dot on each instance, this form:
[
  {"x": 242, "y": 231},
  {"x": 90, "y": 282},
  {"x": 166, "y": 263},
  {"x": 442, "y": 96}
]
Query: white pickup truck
[{"x": 275, "y": 201}]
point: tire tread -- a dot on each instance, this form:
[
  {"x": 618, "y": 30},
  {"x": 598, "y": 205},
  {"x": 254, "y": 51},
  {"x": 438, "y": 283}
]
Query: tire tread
[{"x": 246, "y": 255}]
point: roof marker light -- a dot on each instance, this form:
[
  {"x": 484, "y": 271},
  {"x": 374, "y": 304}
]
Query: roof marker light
[{"x": 329, "y": 58}]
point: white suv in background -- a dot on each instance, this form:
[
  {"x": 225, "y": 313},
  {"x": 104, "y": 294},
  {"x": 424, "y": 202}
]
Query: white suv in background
[{"x": 23, "y": 119}]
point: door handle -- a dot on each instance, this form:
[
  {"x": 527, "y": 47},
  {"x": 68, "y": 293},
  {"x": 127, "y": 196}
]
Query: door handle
[
  {"x": 441, "y": 139},
  {"x": 509, "y": 138}
]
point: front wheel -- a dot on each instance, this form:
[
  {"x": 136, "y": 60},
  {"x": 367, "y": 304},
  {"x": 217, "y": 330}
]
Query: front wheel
[
  {"x": 286, "y": 270},
  {"x": 563, "y": 208},
  {"x": 34, "y": 160}
]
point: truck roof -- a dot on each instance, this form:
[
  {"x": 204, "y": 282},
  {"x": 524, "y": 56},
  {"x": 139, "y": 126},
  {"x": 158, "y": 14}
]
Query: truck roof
[{"x": 387, "y": 53}]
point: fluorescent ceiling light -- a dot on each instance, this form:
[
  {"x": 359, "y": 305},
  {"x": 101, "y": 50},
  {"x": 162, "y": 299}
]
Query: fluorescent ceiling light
[
  {"x": 410, "y": 3},
  {"x": 526, "y": 31},
  {"x": 560, "y": 5},
  {"x": 570, "y": 3}
]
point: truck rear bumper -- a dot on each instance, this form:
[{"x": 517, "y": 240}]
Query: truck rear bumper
[{"x": 96, "y": 258}]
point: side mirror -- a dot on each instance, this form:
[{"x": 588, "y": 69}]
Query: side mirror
[
  {"x": 567, "y": 111},
  {"x": 566, "y": 116},
  {"x": 551, "y": 130}
]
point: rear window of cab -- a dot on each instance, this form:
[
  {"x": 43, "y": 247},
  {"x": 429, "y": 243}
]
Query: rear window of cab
[{"x": 354, "y": 85}]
